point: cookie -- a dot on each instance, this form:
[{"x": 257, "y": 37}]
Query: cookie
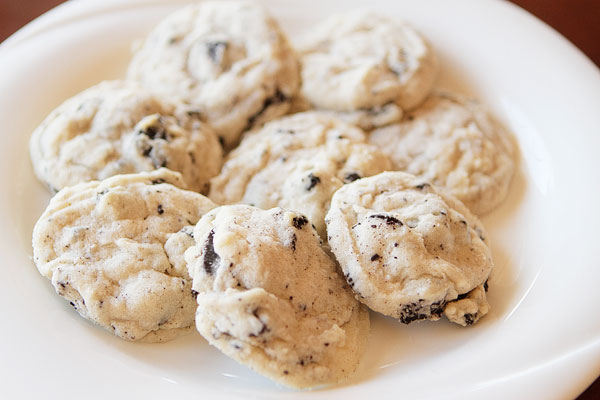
[
  {"x": 114, "y": 250},
  {"x": 117, "y": 127},
  {"x": 408, "y": 250},
  {"x": 228, "y": 59},
  {"x": 271, "y": 298},
  {"x": 453, "y": 143},
  {"x": 297, "y": 162},
  {"x": 363, "y": 61}
]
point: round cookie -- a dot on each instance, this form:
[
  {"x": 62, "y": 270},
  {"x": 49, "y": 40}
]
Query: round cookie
[
  {"x": 408, "y": 250},
  {"x": 114, "y": 250},
  {"x": 455, "y": 144},
  {"x": 271, "y": 298},
  {"x": 360, "y": 60},
  {"x": 117, "y": 127},
  {"x": 229, "y": 59},
  {"x": 297, "y": 163}
]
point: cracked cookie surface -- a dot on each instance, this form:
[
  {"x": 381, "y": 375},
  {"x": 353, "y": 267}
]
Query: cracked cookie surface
[
  {"x": 408, "y": 250},
  {"x": 114, "y": 250},
  {"x": 297, "y": 162},
  {"x": 272, "y": 299},
  {"x": 360, "y": 61},
  {"x": 229, "y": 59},
  {"x": 453, "y": 143},
  {"x": 117, "y": 127}
]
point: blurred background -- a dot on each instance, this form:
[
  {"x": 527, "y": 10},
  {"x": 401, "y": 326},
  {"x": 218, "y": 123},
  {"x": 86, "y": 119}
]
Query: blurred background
[{"x": 577, "y": 20}]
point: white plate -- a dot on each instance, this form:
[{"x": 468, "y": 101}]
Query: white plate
[{"x": 542, "y": 337}]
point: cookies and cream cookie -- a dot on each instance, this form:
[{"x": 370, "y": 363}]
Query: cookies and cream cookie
[
  {"x": 297, "y": 162},
  {"x": 271, "y": 298},
  {"x": 117, "y": 127},
  {"x": 114, "y": 250},
  {"x": 408, "y": 250},
  {"x": 362, "y": 61},
  {"x": 453, "y": 143},
  {"x": 228, "y": 59}
]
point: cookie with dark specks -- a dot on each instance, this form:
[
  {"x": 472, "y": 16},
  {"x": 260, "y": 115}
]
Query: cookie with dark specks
[
  {"x": 114, "y": 249},
  {"x": 408, "y": 250},
  {"x": 454, "y": 143},
  {"x": 271, "y": 298},
  {"x": 118, "y": 127},
  {"x": 297, "y": 162},
  {"x": 228, "y": 59},
  {"x": 361, "y": 61}
]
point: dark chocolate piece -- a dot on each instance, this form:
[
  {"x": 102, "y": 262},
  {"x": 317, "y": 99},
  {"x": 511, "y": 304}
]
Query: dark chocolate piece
[
  {"x": 313, "y": 181},
  {"x": 210, "y": 256},
  {"x": 351, "y": 177},
  {"x": 470, "y": 318},
  {"x": 418, "y": 311},
  {"x": 299, "y": 221},
  {"x": 216, "y": 50},
  {"x": 388, "y": 219}
]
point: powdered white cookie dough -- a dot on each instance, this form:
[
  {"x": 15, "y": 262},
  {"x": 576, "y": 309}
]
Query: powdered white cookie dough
[
  {"x": 363, "y": 61},
  {"x": 408, "y": 250},
  {"x": 117, "y": 127},
  {"x": 229, "y": 59},
  {"x": 453, "y": 143},
  {"x": 297, "y": 162},
  {"x": 114, "y": 250},
  {"x": 272, "y": 299}
]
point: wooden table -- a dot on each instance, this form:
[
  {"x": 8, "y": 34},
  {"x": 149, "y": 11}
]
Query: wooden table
[{"x": 578, "y": 20}]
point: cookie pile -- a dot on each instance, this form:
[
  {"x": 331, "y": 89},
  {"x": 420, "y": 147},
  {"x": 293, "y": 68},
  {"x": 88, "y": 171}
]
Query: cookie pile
[{"x": 271, "y": 195}]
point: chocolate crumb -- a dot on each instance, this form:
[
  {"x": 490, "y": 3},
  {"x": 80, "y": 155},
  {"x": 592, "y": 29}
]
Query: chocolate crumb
[
  {"x": 154, "y": 132},
  {"x": 388, "y": 219},
  {"x": 210, "y": 256},
  {"x": 216, "y": 49},
  {"x": 299, "y": 221},
  {"x": 288, "y": 131},
  {"x": 470, "y": 318},
  {"x": 313, "y": 181},
  {"x": 351, "y": 177}
]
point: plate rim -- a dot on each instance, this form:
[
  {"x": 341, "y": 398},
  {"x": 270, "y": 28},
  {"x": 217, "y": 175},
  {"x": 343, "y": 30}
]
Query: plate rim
[{"x": 74, "y": 10}]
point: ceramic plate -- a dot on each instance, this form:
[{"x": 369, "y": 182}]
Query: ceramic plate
[{"x": 542, "y": 337}]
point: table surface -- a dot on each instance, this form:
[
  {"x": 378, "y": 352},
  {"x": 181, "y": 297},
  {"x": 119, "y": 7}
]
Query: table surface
[{"x": 578, "y": 20}]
